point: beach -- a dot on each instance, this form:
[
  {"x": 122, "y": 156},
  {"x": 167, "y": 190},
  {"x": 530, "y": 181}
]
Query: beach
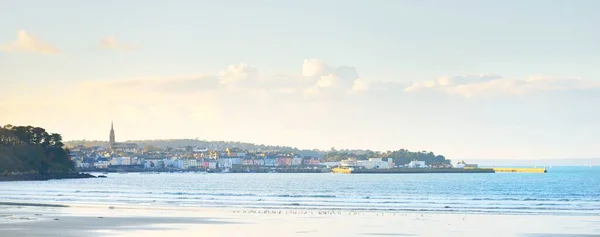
[{"x": 99, "y": 220}]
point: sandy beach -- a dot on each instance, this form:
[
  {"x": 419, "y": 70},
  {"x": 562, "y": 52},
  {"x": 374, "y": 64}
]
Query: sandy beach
[{"x": 31, "y": 220}]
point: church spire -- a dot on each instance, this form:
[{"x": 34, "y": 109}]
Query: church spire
[{"x": 111, "y": 139}]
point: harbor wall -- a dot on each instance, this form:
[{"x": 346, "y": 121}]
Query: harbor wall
[
  {"x": 420, "y": 171},
  {"x": 520, "y": 170}
]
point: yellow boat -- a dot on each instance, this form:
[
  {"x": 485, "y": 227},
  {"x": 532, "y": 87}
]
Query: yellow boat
[{"x": 341, "y": 170}]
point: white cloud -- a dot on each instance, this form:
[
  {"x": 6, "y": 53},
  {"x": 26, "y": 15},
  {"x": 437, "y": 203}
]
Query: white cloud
[
  {"x": 328, "y": 81},
  {"x": 237, "y": 73},
  {"x": 490, "y": 84},
  {"x": 360, "y": 85},
  {"x": 111, "y": 43},
  {"x": 26, "y": 42},
  {"x": 315, "y": 68},
  {"x": 342, "y": 78}
]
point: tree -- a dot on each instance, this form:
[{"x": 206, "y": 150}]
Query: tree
[
  {"x": 27, "y": 148},
  {"x": 400, "y": 157}
]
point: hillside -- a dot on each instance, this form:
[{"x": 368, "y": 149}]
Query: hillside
[
  {"x": 27, "y": 149},
  {"x": 401, "y": 156}
]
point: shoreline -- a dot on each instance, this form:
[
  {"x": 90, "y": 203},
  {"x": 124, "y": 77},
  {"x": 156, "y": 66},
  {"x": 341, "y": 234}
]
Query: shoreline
[{"x": 40, "y": 177}]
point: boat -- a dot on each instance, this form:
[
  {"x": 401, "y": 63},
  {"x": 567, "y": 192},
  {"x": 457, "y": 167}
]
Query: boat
[
  {"x": 341, "y": 170},
  {"x": 121, "y": 172}
]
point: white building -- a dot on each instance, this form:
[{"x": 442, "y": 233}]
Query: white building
[
  {"x": 296, "y": 161},
  {"x": 351, "y": 162},
  {"x": 228, "y": 162},
  {"x": 212, "y": 164},
  {"x": 371, "y": 163},
  {"x": 199, "y": 149},
  {"x": 101, "y": 164},
  {"x": 120, "y": 161},
  {"x": 376, "y": 163},
  {"x": 417, "y": 164}
]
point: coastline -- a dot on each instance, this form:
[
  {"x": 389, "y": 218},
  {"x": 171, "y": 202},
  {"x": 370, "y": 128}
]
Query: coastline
[
  {"x": 102, "y": 220},
  {"x": 40, "y": 177}
]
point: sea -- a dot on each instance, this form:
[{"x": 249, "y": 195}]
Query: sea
[{"x": 561, "y": 191}]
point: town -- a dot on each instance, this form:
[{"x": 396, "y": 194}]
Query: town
[{"x": 129, "y": 157}]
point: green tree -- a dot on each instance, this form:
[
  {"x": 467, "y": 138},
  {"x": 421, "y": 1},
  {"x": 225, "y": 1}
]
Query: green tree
[{"x": 27, "y": 148}]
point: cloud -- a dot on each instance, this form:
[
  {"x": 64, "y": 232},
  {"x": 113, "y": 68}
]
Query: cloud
[
  {"x": 491, "y": 84},
  {"x": 314, "y": 68},
  {"x": 242, "y": 78},
  {"x": 360, "y": 85},
  {"x": 111, "y": 43},
  {"x": 28, "y": 43},
  {"x": 327, "y": 77},
  {"x": 175, "y": 84},
  {"x": 328, "y": 81},
  {"x": 236, "y": 78},
  {"x": 237, "y": 73}
]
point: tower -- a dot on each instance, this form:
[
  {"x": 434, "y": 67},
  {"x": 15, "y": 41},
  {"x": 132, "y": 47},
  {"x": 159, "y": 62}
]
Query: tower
[{"x": 111, "y": 139}]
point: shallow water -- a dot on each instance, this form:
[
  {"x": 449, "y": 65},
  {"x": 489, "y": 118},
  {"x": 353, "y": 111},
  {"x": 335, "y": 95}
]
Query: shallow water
[{"x": 563, "y": 190}]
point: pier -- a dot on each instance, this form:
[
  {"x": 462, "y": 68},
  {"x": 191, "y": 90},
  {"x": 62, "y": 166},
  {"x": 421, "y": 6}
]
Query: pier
[{"x": 520, "y": 170}]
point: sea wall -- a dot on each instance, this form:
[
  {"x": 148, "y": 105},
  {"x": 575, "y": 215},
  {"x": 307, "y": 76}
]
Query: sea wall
[
  {"x": 419, "y": 171},
  {"x": 520, "y": 170}
]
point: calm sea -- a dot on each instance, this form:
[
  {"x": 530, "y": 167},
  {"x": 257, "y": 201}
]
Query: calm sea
[{"x": 563, "y": 190}]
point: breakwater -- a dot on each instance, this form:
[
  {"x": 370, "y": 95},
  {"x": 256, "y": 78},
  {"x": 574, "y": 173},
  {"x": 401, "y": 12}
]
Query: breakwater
[
  {"x": 520, "y": 170},
  {"x": 420, "y": 171}
]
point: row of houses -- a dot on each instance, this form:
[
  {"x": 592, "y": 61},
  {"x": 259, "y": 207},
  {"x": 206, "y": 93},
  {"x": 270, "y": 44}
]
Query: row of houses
[{"x": 190, "y": 163}]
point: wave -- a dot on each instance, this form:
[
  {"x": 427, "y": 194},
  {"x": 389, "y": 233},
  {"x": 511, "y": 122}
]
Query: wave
[{"x": 302, "y": 196}]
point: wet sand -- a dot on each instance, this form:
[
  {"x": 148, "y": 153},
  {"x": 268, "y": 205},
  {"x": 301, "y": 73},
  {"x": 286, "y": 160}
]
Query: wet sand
[{"x": 33, "y": 220}]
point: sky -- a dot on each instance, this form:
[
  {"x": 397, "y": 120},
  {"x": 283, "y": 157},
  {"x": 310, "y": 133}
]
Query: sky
[{"x": 466, "y": 79}]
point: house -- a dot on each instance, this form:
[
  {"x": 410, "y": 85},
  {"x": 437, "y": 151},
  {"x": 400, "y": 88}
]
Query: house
[
  {"x": 269, "y": 162},
  {"x": 311, "y": 161},
  {"x": 296, "y": 161},
  {"x": 259, "y": 162},
  {"x": 283, "y": 161},
  {"x": 212, "y": 164},
  {"x": 248, "y": 162},
  {"x": 228, "y": 162}
]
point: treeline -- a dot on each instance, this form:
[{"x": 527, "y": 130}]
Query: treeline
[
  {"x": 28, "y": 149},
  {"x": 400, "y": 157}
]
